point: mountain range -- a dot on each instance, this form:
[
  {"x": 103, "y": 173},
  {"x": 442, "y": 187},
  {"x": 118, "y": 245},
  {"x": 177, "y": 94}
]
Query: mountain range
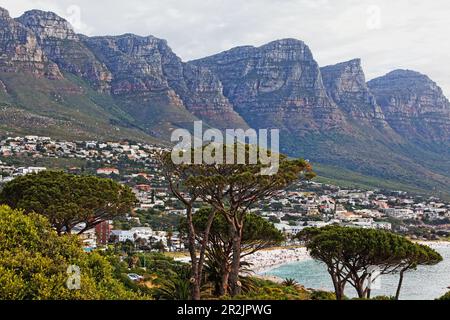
[{"x": 391, "y": 132}]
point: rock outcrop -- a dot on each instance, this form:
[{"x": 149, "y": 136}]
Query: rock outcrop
[
  {"x": 201, "y": 91},
  {"x": 413, "y": 105},
  {"x": 63, "y": 46},
  {"x": 278, "y": 85},
  {"x": 21, "y": 52},
  {"x": 346, "y": 85},
  {"x": 147, "y": 67},
  {"x": 134, "y": 61}
]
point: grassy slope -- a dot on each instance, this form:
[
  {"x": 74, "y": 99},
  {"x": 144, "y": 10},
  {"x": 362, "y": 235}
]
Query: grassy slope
[
  {"x": 156, "y": 114},
  {"x": 66, "y": 109},
  {"x": 350, "y": 179},
  {"x": 375, "y": 159}
]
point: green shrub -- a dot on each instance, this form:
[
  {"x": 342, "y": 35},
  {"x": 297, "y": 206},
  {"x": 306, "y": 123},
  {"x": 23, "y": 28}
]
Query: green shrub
[
  {"x": 268, "y": 290},
  {"x": 322, "y": 295},
  {"x": 445, "y": 296},
  {"x": 34, "y": 262}
]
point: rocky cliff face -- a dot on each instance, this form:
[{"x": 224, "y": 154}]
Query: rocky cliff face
[
  {"x": 146, "y": 66},
  {"x": 278, "y": 85},
  {"x": 413, "y": 105},
  {"x": 134, "y": 61},
  {"x": 21, "y": 52},
  {"x": 63, "y": 46},
  {"x": 346, "y": 85},
  {"x": 151, "y": 82},
  {"x": 201, "y": 91},
  {"x": 47, "y": 25}
]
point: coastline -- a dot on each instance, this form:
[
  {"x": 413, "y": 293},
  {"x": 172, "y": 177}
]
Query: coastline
[
  {"x": 267, "y": 260},
  {"x": 424, "y": 283},
  {"x": 434, "y": 244}
]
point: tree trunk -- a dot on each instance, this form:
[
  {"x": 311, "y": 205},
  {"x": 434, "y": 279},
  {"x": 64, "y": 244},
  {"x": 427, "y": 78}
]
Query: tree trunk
[
  {"x": 335, "y": 284},
  {"x": 339, "y": 290},
  {"x": 338, "y": 286},
  {"x": 369, "y": 293},
  {"x": 236, "y": 263},
  {"x": 360, "y": 286},
  {"x": 223, "y": 290},
  {"x": 225, "y": 268},
  {"x": 360, "y": 289},
  {"x": 197, "y": 263},
  {"x": 195, "y": 280},
  {"x": 399, "y": 287},
  {"x": 196, "y": 295},
  {"x": 340, "y": 293},
  {"x": 204, "y": 246},
  {"x": 370, "y": 283}
]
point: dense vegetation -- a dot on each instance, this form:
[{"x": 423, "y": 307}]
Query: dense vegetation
[
  {"x": 40, "y": 261},
  {"x": 445, "y": 296},
  {"x": 34, "y": 263},
  {"x": 65, "y": 109},
  {"x": 257, "y": 234},
  {"x": 158, "y": 220},
  {"x": 231, "y": 190},
  {"x": 37, "y": 263},
  {"x": 357, "y": 256},
  {"x": 68, "y": 200}
]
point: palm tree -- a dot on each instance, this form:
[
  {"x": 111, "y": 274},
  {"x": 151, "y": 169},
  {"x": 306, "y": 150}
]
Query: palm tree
[
  {"x": 176, "y": 287},
  {"x": 289, "y": 282},
  {"x": 173, "y": 289}
]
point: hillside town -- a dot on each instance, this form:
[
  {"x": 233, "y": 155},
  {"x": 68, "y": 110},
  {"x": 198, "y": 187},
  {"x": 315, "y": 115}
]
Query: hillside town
[{"x": 154, "y": 221}]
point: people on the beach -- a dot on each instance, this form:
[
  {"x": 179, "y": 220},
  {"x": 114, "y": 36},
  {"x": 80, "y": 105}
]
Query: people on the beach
[{"x": 265, "y": 260}]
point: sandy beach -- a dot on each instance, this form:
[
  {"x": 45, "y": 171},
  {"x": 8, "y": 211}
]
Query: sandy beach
[
  {"x": 434, "y": 244},
  {"x": 267, "y": 260}
]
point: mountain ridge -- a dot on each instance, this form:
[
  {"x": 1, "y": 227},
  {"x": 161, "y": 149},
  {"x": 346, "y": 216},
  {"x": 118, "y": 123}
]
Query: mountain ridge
[{"x": 395, "y": 127}]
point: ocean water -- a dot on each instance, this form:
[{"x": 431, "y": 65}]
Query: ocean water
[{"x": 425, "y": 283}]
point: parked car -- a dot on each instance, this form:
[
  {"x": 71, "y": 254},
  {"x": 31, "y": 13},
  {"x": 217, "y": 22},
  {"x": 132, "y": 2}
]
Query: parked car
[{"x": 134, "y": 277}]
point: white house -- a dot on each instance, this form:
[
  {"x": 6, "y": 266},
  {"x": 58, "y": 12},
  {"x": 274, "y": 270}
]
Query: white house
[
  {"x": 382, "y": 225},
  {"x": 123, "y": 235},
  {"x": 36, "y": 169},
  {"x": 287, "y": 229},
  {"x": 142, "y": 232}
]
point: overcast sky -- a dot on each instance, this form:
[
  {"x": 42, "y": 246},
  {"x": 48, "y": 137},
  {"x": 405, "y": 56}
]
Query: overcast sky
[{"x": 385, "y": 34}]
